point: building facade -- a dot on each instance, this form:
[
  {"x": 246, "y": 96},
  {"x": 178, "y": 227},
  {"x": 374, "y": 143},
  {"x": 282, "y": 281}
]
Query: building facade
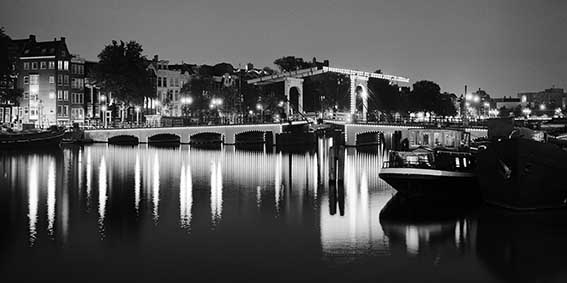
[
  {"x": 168, "y": 84},
  {"x": 549, "y": 99},
  {"x": 52, "y": 82}
]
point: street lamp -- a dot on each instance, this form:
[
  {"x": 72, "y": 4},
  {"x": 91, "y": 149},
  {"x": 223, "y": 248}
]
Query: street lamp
[
  {"x": 104, "y": 108},
  {"x": 138, "y": 109},
  {"x": 261, "y": 109},
  {"x": 527, "y": 112}
]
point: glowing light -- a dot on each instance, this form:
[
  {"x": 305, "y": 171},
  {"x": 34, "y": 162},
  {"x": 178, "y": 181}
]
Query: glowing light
[
  {"x": 51, "y": 197},
  {"x": 137, "y": 183},
  {"x": 33, "y": 198},
  {"x": 259, "y": 106},
  {"x": 103, "y": 98},
  {"x": 138, "y": 109},
  {"x": 155, "y": 188},
  {"x": 476, "y": 98},
  {"x": 185, "y": 197},
  {"x": 102, "y": 187},
  {"x": 103, "y": 108},
  {"x": 281, "y": 104},
  {"x": 486, "y": 104},
  {"x": 542, "y": 107}
]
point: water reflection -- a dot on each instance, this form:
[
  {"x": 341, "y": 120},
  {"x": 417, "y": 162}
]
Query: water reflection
[
  {"x": 324, "y": 213},
  {"x": 51, "y": 195},
  {"x": 33, "y": 198},
  {"x": 102, "y": 194}
]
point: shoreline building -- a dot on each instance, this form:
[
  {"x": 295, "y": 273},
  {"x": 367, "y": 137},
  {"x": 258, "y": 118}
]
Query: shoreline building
[
  {"x": 48, "y": 82},
  {"x": 548, "y": 99},
  {"x": 168, "y": 84}
]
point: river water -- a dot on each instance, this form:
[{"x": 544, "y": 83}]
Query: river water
[{"x": 110, "y": 213}]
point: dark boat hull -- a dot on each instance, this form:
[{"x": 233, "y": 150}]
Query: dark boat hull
[
  {"x": 523, "y": 174},
  {"x": 32, "y": 140},
  {"x": 433, "y": 184}
]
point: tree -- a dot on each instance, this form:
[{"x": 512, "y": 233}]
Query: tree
[
  {"x": 122, "y": 71},
  {"x": 291, "y": 63},
  {"x": 426, "y": 96},
  {"x": 8, "y": 91},
  {"x": 384, "y": 96}
]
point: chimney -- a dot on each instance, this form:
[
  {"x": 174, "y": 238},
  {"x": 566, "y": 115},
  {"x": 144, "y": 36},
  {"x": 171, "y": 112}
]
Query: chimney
[
  {"x": 63, "y": 39},
  {"x": 32, "y": 37}
]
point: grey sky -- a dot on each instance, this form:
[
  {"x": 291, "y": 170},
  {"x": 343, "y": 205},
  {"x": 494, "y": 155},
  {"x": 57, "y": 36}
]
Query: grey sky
[{"x": 502, "y": 46}]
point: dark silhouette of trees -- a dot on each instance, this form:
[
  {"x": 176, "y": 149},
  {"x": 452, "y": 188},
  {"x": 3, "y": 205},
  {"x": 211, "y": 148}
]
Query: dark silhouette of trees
[
  {"x": 426, "y": 96},
  {"x": 122, "y": 71},
  {"x": 8, "y": 90}
]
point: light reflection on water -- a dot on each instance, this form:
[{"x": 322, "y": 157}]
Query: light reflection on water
[{"x": 249, "y": 205}]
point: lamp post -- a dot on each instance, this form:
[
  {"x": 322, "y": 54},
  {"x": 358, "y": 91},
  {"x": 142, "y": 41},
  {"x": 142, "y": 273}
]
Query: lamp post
[
  {"x": 261, "y": 109},
  {"x": 138, "y": 109},
  {"x": 104, "y": 108}
]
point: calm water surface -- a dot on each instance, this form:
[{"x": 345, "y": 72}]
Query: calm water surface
[{"x": 108, "y": 213}]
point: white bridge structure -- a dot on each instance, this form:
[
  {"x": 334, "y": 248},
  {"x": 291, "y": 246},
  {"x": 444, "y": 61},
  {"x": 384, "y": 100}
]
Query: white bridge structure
[
  {"x": 294, "y": 81},
  {"x": 228, "y": 133}
]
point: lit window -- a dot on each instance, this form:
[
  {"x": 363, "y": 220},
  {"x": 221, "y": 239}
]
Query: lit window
[
  {"x": 26, "y": 65},
  {"x": 51, "y": 79},
  {"x": 66, "y": 65},
  {"x": 59, "y": 65},
  {"x": 34, "y": 65},
  {"x": 51, "y": 95},
  {"x": 26, "y": 80},
  {"x": 43, "y": 65},
  {"x": 66, "y": 95},
  {"x": 59, "y": 95},
  {"x": 34, "y": 79},
  {"x": 51, "y": 65}
]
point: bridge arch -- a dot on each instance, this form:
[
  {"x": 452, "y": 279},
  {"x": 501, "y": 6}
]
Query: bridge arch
[
  {"x": 122, "y": 139},
  {"x": 250, "y": 137},
  {"x": 164, "y": 138},
  {"x": 206, "y": 138}
]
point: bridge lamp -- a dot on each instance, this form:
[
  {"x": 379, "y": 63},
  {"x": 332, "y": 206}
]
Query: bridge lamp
[
  {"x": 476, "y": 98},
  {"x": 138, "y": 109},
  {"x": 542, "y": 107},
  {"x": 219, "y": 101},
  {"x": 259, "y": 106},
  {"x": 103, "y": 98},
  {"x": 468, "y": 97},
  {"x": 103, "y": 108},
  {"x": 281, "y": 104}
]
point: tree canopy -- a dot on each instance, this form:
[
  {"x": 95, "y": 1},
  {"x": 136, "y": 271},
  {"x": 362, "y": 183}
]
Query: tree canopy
[
  {"x": 122, "y": 71},
  {"x": 8, "y": 91}
]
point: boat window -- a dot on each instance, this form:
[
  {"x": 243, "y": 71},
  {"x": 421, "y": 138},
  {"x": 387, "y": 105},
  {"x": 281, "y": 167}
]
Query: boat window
[
  {"x": 457, "y": 162},
  {"x": 464, "y": 162},
  {"x": 437, "y": 138},
  {"x": 425, "y": 138}
]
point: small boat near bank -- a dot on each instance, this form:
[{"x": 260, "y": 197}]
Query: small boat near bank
[
  {"x": 33, "y": 138},
  {"x": 438, "y": 164}
]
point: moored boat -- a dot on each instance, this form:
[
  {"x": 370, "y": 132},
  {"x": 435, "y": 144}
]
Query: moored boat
[
  {"x": 439, "y": 168},
  {"x": 32, "y": 138},
  {"x": 522, "y": 169}
]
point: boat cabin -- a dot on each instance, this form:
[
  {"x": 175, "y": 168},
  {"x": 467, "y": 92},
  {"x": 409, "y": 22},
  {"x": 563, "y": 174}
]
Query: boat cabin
[{"x": 446, "y": 138}]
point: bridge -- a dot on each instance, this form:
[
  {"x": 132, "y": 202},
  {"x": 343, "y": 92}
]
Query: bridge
[
  {"x": 293, "y": 82},
  {"x": 352, "y": 132},
  {"x": 228, "y": 133}
]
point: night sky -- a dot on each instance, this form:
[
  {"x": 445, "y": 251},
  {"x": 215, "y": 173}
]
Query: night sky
[{"x": 503, "y": 46}]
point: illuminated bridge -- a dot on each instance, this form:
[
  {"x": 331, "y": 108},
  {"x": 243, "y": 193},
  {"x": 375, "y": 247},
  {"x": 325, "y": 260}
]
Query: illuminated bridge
[{"x": 228, "y": 133}]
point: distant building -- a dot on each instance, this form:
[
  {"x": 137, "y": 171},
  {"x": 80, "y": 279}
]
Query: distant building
[
  {"x": 169, "y": 82},
  {"x": 52, "y": 81},
  {"x": 505, "y": 102},
  {"x": 549, "y": 99}
]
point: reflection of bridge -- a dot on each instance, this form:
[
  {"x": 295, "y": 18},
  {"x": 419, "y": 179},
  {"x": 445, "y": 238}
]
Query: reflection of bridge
[
  {"x": 228, "y": 133},
  {"x": 293, "y": 82}
]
